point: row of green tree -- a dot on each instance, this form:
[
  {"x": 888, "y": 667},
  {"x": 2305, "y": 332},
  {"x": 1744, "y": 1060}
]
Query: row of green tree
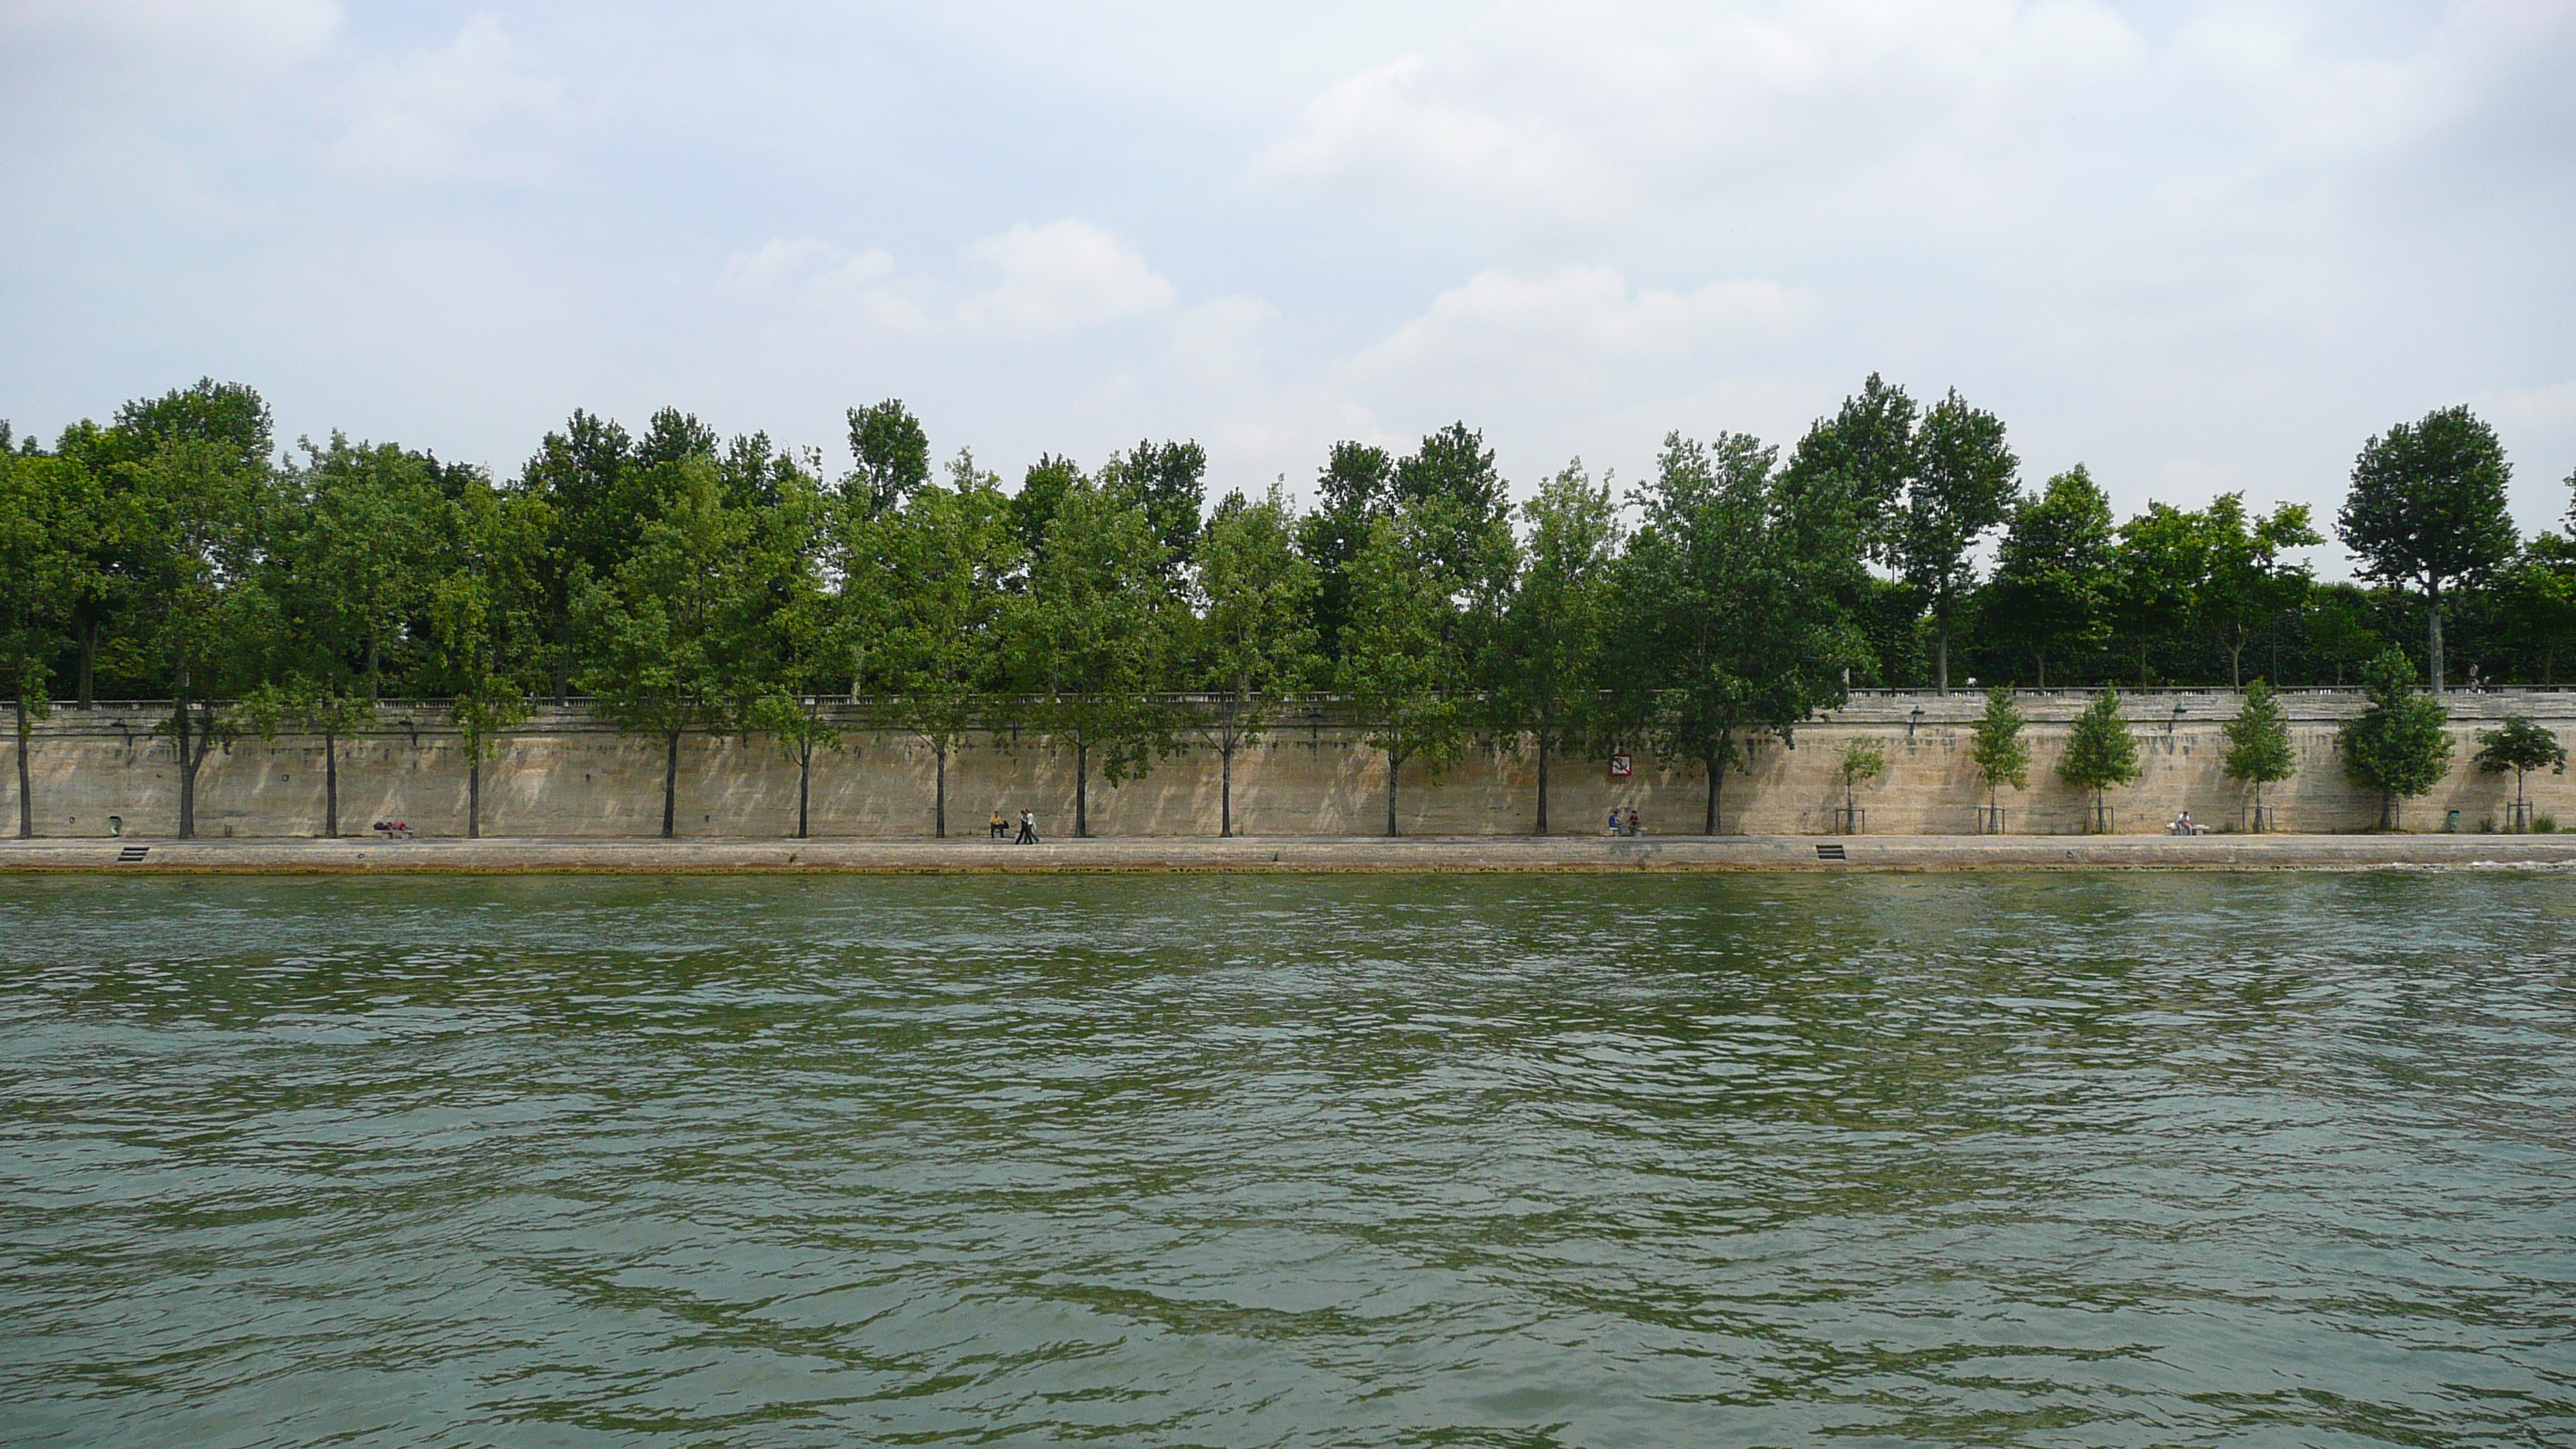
[
  {"x": 2399, "y": 747},
  {"x": 692, "y": 583}
]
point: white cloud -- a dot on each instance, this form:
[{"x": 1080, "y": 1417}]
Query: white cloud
[
  {"x": 1394, "y": 127},
  {"x": 1576, "y": 327},
  {"x": 1055, "y": 279},
  {"x": 2187, "y": 241},
  {"x": 1058, "y": 277},
  {"x": 807, "y": 267},
  {"x": 1594, "y": 114},
  {"x": 436, "y": 113}
]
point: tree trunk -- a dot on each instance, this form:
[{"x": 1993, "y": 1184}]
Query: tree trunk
[
  {"x": 330, "y": 787},
  {"x": 474, "y": 799},
  {"x": 1082, "y": 790},
  {"x": 804, "y": 783},
  {"x": 2042, "y": 656},
  {"x": 1225, "y": 793},
  {"x": 375, "y": 675},
  {"x": 1716, "y": 782},
  {"x": 1394, "y": 762},
  {"x": 2142, "y": 666},
  {"x": 2436, "y": 651},
  {"x": 939, "y": 806},
  {"x": 88, "y": 661},
  {"x": 1941, "y": 672},
  {"x": 187, "y": 774},
  {"x": 26, "y": 807},
  {"x": 1541, "y": 827},
  {"x": 2236, "y": 666},
  {"x": 671, "y": 784}
]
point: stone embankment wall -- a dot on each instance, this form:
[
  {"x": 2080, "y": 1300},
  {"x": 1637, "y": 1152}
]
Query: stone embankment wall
[{"x": 565, "y": 774}]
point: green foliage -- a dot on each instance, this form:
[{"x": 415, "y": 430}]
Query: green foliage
[
  {"x": 1354, "y": 490},
  {"x": 2521, "y": 746},
  {"x": 1964, "y": 483},
  {"x": 1455, "y": 503},
  {"x": 1995, "y": 745},
  {"x": 2337, "y": 622},
  {"x": 2158, "y": 572},
  {"x": 1730, "y": 620},
  {"x": 1863, "y": 759},
  {"x": 677, "y": 634},
  {"x": 927, "y": 598},
  {"x": 2538, "y": 598},
  {"x": 1092, "y": 637},
  {"x": 1402, "y": 665},
  {"x": 2100, "y": 751},
  {"x": 2427, "y": 508},
  {"x": 1866, "y": 450},
  {"x": 1546, "y": 672},
  {"x": 2258, "y": 742},
  {"x": 2258, "y": 739},
  {"x": 50, "y": 515},
  {"x": 365, "y": 540},
  {"x": 1042, "y": 491},
  {"x": 1167, "y": 483},
  {"x": 2249, "y": 588},
  {"x": 704, "y": 584},
  {"x": 1256, "y": 641},
  {"x": 892, "y": 457},
  {"x": 2052, "y": 576},
  {"x": 2398, "y": 747}
]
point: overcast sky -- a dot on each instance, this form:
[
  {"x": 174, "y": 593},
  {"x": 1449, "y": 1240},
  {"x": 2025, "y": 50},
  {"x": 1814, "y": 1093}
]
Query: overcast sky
[{"x": 2200, "y": 247}]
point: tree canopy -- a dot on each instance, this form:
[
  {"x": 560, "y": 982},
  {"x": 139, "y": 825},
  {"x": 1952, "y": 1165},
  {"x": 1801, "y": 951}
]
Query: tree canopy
[{"x": 694, "y": 582}]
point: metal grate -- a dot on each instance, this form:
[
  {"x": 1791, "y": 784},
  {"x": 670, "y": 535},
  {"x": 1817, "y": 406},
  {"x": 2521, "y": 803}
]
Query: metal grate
[
  {"x": 1830, "y": 852},
  {"x": 129, "y": 854}
]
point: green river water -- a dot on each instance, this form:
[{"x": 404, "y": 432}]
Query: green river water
[{"x": 2046, "y": 1160}]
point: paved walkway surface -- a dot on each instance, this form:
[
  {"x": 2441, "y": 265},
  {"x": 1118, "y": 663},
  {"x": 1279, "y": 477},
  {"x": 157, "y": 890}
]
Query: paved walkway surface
[{"x": 1306, "y": 853}]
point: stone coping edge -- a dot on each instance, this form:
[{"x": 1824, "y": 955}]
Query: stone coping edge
[{"x": 1464, "y": 855}]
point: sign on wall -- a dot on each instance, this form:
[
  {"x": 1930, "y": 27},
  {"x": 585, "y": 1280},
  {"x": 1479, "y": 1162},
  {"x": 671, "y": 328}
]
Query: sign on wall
[{"x": 1621, "y": 767}]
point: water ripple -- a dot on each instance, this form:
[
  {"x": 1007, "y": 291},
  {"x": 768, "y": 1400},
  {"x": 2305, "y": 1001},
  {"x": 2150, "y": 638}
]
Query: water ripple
[{"x": 2057, "y": 1160}]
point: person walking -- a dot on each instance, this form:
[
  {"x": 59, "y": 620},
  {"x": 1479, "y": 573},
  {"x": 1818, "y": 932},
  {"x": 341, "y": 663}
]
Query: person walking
[
  {"x": 996, "y": 828},
  {"x": 1028, "y": 829}
]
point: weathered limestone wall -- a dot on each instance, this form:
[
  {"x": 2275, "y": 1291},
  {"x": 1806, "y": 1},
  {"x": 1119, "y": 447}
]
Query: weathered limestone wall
[{"x": 567, "y": 775}]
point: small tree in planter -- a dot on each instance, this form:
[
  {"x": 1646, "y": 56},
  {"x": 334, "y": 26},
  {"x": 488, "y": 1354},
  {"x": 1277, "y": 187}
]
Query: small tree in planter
[
  {"x": 2001, "y": 755},
  {"x": 2522, "y": 747},
  {"x": 2100, "y": 753},
  {"x": 2398, "y": 747},
  {"x": 1862, "y": 759},
  {"x": 2258, "y": 744}
]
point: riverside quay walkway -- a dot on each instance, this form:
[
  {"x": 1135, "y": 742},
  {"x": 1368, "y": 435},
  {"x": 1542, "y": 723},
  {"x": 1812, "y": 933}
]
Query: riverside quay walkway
[{"x": 1470, "y": 854}]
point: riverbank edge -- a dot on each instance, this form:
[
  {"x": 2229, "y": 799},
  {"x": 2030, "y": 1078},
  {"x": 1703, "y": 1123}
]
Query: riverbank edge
[{"x": 1425, "y": 855}]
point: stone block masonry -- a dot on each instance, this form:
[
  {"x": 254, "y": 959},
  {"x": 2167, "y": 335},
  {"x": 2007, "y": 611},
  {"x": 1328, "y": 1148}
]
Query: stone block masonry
[{"x": 566, "y": 775}]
